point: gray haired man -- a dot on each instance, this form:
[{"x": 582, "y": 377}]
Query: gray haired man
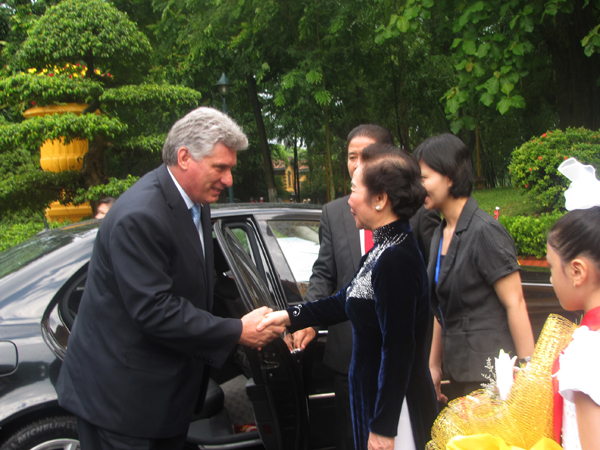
[{"x": 137, "y": 364}]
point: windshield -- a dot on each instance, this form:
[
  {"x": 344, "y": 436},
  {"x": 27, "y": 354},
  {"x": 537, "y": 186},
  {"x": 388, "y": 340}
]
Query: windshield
[{"x": 40, "y": 245}]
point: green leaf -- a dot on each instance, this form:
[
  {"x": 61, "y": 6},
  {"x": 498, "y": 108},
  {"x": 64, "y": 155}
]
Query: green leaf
[
  {"x": 517, "y": 101},
  {"x": 469, "y": 47},
  {"x": 507, "y": 88},
  {"x": 551, "y": 9},
  {"x": 518, "y": 49},
  {"x": 477, "y": 6},
  {"x": 411, "y": 13},
  {"x": 478, "y": 69},
  {"x": 323, "y": 97},
  {"x": 469, "y": 67},
  {"x": 314, "y": 76},
  {"x": 456, "y": 42},
  {"x": 453, "y": 105},
  {"x": 461, "y": 65},
  {"x": 403, "y": 24},
  {"x": 528, "y": 9},
  {"x": 464, "y": 18},
  {"x": 482, "y": 51},
  {"x": 513, "y": 22},
  {"x": 456, "y": 126},
  {"x": 503, "y": 105},
  {"x": 427, "y": 3},
  {"x": 486, "y": 98},
  {"x": 527, "y": 24},
  {"x": 492, "y": 85}
]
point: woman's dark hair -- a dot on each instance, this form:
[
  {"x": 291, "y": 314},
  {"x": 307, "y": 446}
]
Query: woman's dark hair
[
  {"x": 375, "y": 132},
  {"x": 394, "y": 171},
  {"x": 448, "y": 155},
  {"x": 577, "y": 234}
]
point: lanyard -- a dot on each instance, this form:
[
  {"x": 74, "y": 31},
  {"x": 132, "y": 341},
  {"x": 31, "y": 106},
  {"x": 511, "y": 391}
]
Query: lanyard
[
  {"x": 437, "y": 276},
  {"x": 439, "y": 261}
]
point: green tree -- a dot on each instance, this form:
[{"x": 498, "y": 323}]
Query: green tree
[
  {"x": 498, "y": 44},
  {"x": 84, "y": 51}
]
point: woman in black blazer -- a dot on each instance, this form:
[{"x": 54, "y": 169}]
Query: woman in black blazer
[{"x": 473, "y": 272}]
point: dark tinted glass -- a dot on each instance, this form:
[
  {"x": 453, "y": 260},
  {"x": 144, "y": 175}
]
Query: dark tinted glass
[{"x": 41, "y": 245}]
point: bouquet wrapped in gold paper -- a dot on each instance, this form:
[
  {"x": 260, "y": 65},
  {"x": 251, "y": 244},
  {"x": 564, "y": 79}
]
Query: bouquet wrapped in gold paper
[{"x": 525, "y": 417}]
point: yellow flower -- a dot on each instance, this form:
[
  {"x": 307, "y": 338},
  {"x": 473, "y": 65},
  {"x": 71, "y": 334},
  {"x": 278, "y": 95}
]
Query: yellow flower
[
  {"x": 75, "y": 75},
  {"x": 32, "y": 70}
]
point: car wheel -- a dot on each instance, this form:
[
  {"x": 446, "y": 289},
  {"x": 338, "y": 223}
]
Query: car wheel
[{"x": 52, "y": 433}]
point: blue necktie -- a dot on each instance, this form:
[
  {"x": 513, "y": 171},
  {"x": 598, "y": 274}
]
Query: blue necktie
[{"x": 196, "y": 215}]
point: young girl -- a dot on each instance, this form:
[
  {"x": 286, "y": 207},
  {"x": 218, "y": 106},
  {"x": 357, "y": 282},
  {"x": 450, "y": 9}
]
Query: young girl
[{"x": 574, "y": 259}]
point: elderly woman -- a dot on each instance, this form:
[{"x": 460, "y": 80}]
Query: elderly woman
[
  {"x": 392, "y": 394},
  {"x": 473, "y": 271}
]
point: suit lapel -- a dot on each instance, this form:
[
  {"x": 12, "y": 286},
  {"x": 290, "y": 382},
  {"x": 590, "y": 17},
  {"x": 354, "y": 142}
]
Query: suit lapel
[
  {"x": 182, "y": 214},
  {"x": 463, "y": 223}
]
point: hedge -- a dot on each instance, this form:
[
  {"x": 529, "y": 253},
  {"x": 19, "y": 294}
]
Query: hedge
[{"x": 529, "y": 232}]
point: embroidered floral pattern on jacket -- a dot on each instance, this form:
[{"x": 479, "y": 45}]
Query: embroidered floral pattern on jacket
[{"x": 383, "y": 237}]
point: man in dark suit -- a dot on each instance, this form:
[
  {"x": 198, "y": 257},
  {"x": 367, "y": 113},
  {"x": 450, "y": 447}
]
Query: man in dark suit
[
  {"x": 136, "y": 367},
  {"x": 342, "y": 246}
]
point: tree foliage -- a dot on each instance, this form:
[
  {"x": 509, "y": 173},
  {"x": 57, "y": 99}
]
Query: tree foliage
[
  {"x": 84, "y": 51},
  {"x": 96, "y": 33}
]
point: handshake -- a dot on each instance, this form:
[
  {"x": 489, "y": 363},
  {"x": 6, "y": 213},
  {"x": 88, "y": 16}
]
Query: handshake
[{"x": 261, "y": 326}]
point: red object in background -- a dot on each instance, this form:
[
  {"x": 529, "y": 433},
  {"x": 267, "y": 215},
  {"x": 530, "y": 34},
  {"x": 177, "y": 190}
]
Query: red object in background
[
  {"x": 497, "y": 213},
  {"x": 368, "y": 240}
]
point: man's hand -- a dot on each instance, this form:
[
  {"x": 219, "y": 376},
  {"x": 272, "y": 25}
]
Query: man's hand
[
  {"x": 252, "y": 336},
  {"x": 302, "y": 338},
  {"x": 378, "y": 442}
]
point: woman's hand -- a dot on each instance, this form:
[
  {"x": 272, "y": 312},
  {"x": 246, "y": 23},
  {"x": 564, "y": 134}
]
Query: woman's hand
[
  {"x": 276, "y": 318},
  {"x": 379, "y": 442},
  {"x": 435, "y": 361},
  {"x": 436, "y": 377}
]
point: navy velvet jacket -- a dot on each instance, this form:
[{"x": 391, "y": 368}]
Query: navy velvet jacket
[{"x": 387, "y": 303}]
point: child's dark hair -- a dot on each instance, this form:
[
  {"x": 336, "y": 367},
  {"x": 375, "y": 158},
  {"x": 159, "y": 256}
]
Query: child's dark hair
[{"x": 577, "y": 234}]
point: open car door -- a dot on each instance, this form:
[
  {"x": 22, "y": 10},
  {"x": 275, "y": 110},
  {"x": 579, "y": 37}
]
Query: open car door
[{"x": 276, "y": 388}]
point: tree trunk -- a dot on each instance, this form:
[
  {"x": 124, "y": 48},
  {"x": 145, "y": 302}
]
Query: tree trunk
[
  {"x": 93, "y": 168},
  {"x": 262, "y": 139},
  {"x": 578, "y": 96},
  {"x": 330, "y": 184},
  {"x": 296, "y": 170}
]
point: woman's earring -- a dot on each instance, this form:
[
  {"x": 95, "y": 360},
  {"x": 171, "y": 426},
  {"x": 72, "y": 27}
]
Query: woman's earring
[{"x": 378, "y": 208}]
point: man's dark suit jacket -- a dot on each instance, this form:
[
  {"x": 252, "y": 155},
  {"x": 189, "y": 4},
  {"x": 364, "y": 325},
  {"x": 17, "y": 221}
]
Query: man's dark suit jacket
[
  {"x": 339, "y": 256},
  {"x": 137, "y": 355}
]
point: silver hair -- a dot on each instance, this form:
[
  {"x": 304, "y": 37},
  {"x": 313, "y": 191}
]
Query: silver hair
[{"x": 199, "y": 131}]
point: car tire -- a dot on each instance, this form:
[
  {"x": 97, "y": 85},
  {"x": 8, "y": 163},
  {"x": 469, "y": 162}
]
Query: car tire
[{"x": 52, "y": 433}]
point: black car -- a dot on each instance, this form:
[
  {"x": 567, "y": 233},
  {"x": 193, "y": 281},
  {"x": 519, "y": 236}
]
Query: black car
[{"x": 263, "y": 257}]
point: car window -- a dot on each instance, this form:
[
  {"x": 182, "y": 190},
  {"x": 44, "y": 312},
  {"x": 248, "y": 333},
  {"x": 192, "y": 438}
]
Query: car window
[
  {"x": 299, "y": 243},
  {"x": 250, "y": 284},
  {"x": 39, "y": 246}
]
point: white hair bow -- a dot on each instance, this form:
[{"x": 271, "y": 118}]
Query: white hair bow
[{"x": 584, "y": 191}]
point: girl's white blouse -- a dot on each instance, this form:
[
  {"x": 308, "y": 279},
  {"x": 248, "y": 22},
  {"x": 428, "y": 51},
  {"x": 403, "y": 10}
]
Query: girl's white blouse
[{"x": 579, "y": 371}]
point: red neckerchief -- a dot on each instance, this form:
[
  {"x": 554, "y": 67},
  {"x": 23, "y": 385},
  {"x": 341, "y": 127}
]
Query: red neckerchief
[{"x": 592, "y": 321}]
